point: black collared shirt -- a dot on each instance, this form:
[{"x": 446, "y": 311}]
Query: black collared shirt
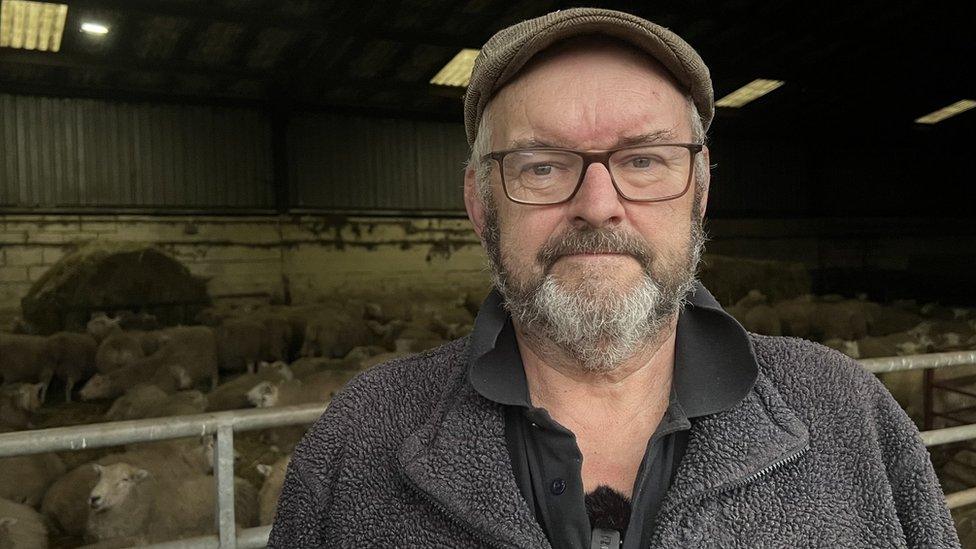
[{"x": 714, "y": 368}]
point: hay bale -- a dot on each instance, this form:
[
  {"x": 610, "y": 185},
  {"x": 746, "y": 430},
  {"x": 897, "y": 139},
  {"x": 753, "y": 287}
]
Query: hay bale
[
  {"x": 731, "y": 278},
  {"x": 112, "y": 277}
]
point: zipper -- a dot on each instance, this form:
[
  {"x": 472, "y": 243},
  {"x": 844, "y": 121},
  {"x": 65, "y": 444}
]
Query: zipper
[
  {"x": 451, "y": 518},
  {"x": 737, "y": 484}
]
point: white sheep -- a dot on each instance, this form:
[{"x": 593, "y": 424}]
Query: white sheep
[
  {"x": 101, "y": 325},
  {"x": 129, "y": 501},
  {"x": 21, "y": 527},
  {"x": 65, "y": 503},
  {"x": 24, "y": 479},
  {"x": 319, "y": 387},
  {"x": 893, "y": 345},
  {"x": 274, "y": 479},
  {"x": 18, "y": 402},
  {"x": 74, "y": 358},
  {"x": 137, "y": 403},
  {"x": 193, "y": 348},
  {"x": 118, "y": 349},
  {"x": 164, "y": 375},
  {"x": 232, "y": 395}
]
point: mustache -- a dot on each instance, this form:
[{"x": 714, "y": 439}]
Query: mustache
[{"x": 590, "y": 241}]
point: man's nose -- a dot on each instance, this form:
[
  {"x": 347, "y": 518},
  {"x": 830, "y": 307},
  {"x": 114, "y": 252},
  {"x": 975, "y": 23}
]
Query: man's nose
[{"x": 597, "y": 203}]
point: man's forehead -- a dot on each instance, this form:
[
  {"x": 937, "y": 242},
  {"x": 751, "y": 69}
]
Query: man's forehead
[{"x": 545, "y": 139}]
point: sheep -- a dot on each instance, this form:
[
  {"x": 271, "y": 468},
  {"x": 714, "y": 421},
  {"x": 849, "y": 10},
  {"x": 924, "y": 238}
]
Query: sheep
[
  {"x": 415, "y": 339},
  {"x": 892, "y": 320},
  {"x": 232, "y": 395},
  {"x": 26, "y": 358},
  {"x": 842, "y": 319},
  {"x": 187, "y": 355},
  {"x": 65, "y": 503},
  {"x": 128, "y": 501},
  {"x": 74, "y": 358},
  {"x": 101, "y": 325},
  {"x": 319, "y": 387},
  {"x": 168, "y": 377},
  {"x": 146, "y": 400},
  {"x": 274, "y": 479},
  {"x": 278, "y": 337},
  {"x": 762, "y": 319},
  {"x": 240, "y": 343},
  {"x": 194, "y": 348},
  {"x": 136, "y": 403},
  {"x": 18, "y": 402},
  {"x": 794, "y": 315},
  {"x": 333, "y": 334},
  {"x": 21, "y": 527},
  {"x": 118, "y": 349},
  {"x": 24, "y": 479},
  {"x": 892, "y": 345}
]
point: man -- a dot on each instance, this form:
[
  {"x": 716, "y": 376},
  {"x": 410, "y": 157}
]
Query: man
[{"x": 604, "y": 398}]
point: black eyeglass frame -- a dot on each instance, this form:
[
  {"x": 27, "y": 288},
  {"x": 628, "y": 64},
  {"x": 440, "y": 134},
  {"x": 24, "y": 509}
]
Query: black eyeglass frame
[{"x": 596, "y": 157}]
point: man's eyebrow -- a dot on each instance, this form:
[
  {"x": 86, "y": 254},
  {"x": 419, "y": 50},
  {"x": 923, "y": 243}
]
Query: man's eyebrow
[{"x": 644, "y": 138}]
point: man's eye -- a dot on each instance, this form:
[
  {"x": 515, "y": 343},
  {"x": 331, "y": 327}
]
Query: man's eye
[
  {"x": 541, "y": 169},
  {"x": 640, "y": 162}
]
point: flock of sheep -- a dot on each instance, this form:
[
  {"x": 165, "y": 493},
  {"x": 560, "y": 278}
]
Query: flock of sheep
[{"x": 125, "y": 367}]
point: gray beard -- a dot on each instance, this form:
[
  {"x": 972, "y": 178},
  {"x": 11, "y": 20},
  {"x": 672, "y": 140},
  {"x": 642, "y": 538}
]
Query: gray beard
[{"x": 597, "y": 328}]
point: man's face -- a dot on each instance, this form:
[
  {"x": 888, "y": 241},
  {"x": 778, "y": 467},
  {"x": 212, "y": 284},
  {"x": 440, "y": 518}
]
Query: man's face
[{"x": 597, "y": 255}]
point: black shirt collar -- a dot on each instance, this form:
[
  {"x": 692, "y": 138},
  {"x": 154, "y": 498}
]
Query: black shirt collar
[{"x": 714, "y": 364}]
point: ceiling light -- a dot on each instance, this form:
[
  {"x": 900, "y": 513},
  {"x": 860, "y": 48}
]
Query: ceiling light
[
  {"x": 945, "y": 112},
  {"x": 31, "y": 25},
  {"x": 750, "y": 92},
  {"x": 458, "y": 71},
  {"x": 94, "y": 28}
]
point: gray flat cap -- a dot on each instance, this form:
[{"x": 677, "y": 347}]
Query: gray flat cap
[{"x": 510, "y": 49}]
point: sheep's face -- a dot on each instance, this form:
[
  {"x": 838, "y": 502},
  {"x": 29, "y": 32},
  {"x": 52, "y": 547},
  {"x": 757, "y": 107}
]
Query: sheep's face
[
  {"x": 29, "y": 396},
  {"x": 99, "y": 386},
  {"x": 263, "y": 395},
  {"x": 115, "y": 483}
]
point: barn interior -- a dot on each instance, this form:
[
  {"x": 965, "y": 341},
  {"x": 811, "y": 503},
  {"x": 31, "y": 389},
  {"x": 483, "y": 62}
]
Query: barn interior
[{"x": 286, "y": 174}]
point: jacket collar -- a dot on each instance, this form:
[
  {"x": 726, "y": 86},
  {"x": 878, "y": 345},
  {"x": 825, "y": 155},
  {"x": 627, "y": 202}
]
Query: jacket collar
[{"x": 460, "y": 460}]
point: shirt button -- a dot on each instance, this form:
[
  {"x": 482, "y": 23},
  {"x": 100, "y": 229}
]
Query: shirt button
[{"x": 557, "y": 487}]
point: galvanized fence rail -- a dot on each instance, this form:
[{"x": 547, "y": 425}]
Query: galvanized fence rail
[
  {"x": 221, "y": 424},
  {"x": 225, "y": 424}
]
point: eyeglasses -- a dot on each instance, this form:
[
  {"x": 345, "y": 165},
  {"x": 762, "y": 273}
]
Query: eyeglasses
[{"x": 640, "y": 173}]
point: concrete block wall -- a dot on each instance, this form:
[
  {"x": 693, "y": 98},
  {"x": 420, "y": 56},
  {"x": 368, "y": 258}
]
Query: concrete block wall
[{"x": 302, "y": 257}]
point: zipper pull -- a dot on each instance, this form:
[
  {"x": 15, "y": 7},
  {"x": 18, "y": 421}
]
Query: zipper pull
[{"x": 605, "y": 539}]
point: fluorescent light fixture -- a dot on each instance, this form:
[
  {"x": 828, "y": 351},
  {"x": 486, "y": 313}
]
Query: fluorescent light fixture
[
  {"x": 750, "y": 92},
  {"x": 960, "y": 106},
  {"x": 32, "y": 25},
  {"x": 458, "y": 71},
  {"x": 94, "y": 28}
]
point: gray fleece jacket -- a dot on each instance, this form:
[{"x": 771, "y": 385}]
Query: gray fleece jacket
[{"x": 818, "y": 454}]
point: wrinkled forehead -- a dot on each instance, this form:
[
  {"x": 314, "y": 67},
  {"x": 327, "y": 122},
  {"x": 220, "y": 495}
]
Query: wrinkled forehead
[{"x": 588, "y": 89}]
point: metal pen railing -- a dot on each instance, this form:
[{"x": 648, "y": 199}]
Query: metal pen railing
[
  {"x": 225, "y": 424},
  {"x": 221, "y": 424}
]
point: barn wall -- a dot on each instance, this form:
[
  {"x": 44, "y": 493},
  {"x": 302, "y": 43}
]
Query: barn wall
[
  {"x": 84, "y": 153},
  {"x": 308, "y": 256},
  {"x": 344, "y": 162},
  {"x": 304, "y": 257}
]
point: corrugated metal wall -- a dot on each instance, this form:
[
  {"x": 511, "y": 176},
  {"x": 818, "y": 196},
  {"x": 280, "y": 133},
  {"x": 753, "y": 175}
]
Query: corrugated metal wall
[
  {"x": 343, "y": 162},
  {"x": 69, "y": 153}
]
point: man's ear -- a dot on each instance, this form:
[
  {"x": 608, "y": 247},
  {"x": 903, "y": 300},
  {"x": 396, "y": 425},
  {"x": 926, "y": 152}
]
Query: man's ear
[
  {"x": 707, "y": 180},
  {"x": 473, "y": 202}
]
